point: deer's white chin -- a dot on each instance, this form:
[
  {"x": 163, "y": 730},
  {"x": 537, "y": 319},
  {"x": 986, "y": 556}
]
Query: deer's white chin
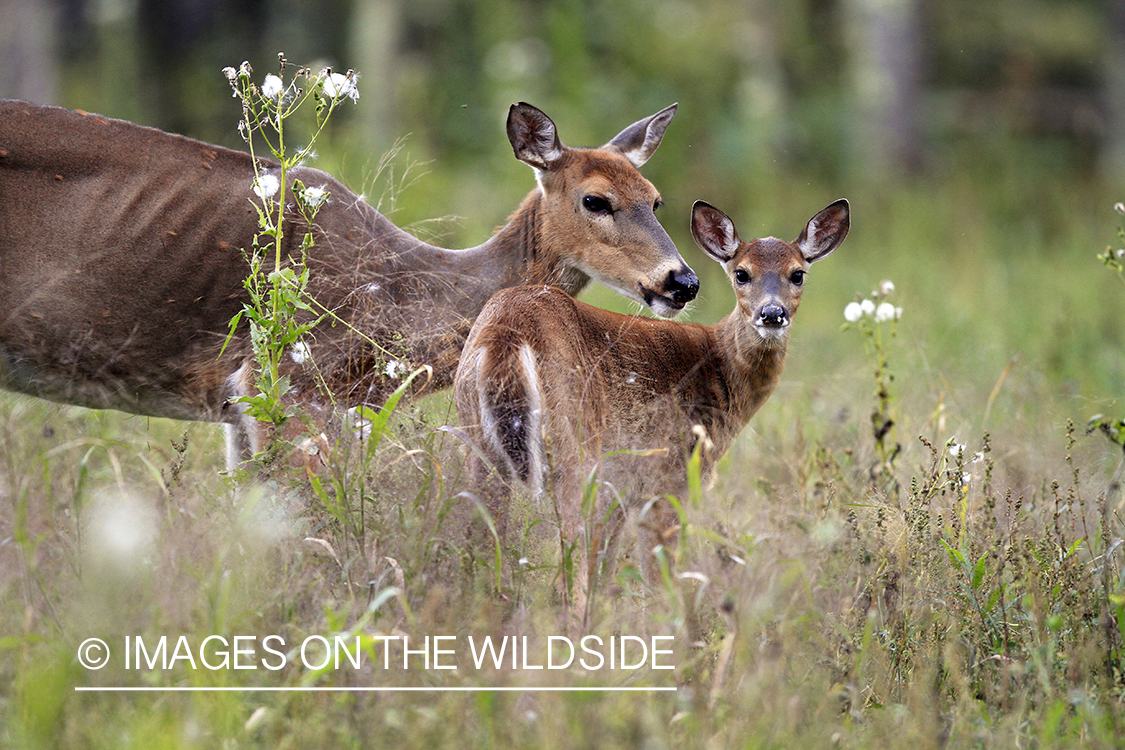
[
  {"x": 663, "y": 306},
  {"x": 771, "y": 334}
]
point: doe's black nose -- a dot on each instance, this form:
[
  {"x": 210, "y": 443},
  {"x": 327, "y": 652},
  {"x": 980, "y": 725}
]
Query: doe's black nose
[{"x": 683, "y": 285}]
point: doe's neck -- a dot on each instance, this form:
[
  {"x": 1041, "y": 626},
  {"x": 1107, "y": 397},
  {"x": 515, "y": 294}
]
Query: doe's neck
[{"x": 523, "y": 252}]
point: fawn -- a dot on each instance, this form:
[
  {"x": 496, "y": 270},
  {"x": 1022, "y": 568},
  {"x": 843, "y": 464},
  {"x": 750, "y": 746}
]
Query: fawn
[{"x": 552, "y": 389}]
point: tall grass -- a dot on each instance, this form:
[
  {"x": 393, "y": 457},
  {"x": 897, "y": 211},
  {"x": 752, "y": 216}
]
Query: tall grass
[{"x": 970, "y": 597}]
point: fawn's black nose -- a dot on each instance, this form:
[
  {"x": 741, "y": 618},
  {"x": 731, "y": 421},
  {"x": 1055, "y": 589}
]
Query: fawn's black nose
[
  {"x": 683, "y": 285},
  {"x": 774, "y": 316}
]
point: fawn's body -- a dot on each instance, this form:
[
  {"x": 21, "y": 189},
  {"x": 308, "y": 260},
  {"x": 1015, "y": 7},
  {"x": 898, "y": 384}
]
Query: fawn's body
[{"x": 549, "y": 386}]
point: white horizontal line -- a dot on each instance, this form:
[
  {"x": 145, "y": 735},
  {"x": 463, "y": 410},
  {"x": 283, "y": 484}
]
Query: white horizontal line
[{"x": 150, "y": 689}]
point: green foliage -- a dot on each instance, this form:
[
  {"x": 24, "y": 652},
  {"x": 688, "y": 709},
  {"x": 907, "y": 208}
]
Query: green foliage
[
  {"x": 1112, "y": 429},
  {"x": 1112, "y": 258}
]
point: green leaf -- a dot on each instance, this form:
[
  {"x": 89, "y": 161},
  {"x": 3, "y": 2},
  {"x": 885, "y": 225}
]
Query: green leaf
[
  {"x": 994, "y": 598},
  {"x": 379, "y": 419},
  {"x": 978, "y": 572},
  {"x": 1113, "y": 429},
  {"x": 498, "y": 557},
  {"x": 695, "y": 472},
  {"x": 955, "y": 555}
]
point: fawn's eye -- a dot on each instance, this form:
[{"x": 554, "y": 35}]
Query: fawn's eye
[
  {"x": 595, "y": 204},
  {"x": 741, "y": 277},
  {"x": 657, "y": 204},
  {"x": 797, "y": 278}
]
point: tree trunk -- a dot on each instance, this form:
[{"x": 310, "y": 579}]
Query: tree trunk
[
  {"x": 28, "y": 50},
  {"x": 884, "y": 41}
]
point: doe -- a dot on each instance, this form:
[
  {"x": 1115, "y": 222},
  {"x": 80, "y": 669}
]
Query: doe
[
  {"x": 121, "y": 265},
  {"x": 553, "y": 390}
]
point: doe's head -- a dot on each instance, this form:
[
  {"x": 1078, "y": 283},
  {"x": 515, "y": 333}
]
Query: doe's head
[
  {"x": 768, "y": 274},
  {"x": 599, "y": 212}
]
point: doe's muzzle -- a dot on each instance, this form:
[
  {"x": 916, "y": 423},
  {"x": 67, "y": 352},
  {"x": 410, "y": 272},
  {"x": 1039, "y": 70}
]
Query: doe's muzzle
[{"x": 682, "y": 285}]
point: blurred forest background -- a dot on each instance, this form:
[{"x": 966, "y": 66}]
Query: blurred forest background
[
  {"x": 835, "y": 89},
  {"x": 970, "y": 137},
  {"x": 831, "y": 91}
]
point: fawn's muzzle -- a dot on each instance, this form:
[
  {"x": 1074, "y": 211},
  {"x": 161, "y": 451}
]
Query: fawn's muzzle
[{"x": 773, "y": 316}]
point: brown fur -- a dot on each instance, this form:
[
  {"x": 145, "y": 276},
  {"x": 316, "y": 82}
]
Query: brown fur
[
  {"x": 121, "y": 262},
  {"x": 549, "y": 386}
]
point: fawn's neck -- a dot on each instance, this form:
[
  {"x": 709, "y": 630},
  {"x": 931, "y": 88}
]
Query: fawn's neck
[{"x": 752, "y": 366}]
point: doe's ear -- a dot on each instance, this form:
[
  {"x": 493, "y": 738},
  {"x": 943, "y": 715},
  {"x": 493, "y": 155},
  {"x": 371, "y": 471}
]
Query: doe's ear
[
  {"x": 638, "y": 142},
  {"x": 825, "y": 231},
  {"x": 533, "y": 136},
  {"x": 714, "y": 232}
]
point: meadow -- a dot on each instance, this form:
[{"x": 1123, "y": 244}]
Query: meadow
[{"x": 954, "y": 578}]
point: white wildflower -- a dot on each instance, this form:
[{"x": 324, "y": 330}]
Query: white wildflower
[
  {"x": 337, "y": 85},
  {"x": 314, "y": 197},
  {"x": 898, "y": 313},
  {"x": 395, "y": 368},
  {"x": 885, "y": 312},
  {"x": 1119, "y": 208},
  {"x": 272, "y": 87},
  {"x": 887, "y": 287},
  {"x": 243, "y": 72},
  {"x": 356, "y": 419},
  {"x": 978, "y": 457},
  {"x": 300, "y": 352},
  {"x": 232, "y": 75},
  {"x": 956, "y": 449},
  {"x": 853, "y": 312},
  {"x": 867, "y": 307},
  {"x": 1120, "y": 253},
  {"x": 966, "y": 479},
  {"x": 266, "y": 186}
]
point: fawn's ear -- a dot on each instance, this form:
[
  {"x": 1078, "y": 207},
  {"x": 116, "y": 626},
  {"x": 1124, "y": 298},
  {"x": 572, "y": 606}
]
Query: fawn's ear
[
  {"x": 534, "y": 138},
  {"x": 714, "y": 232},
  {"x": 825, "y": 231},
  {"x": 638, "y": 142}
]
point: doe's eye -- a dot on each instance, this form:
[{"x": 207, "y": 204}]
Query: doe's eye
[
  {"x": 797, "y": 278},
  {"x": 741, "y": 277},
  {"x": 595, "y": 204}
]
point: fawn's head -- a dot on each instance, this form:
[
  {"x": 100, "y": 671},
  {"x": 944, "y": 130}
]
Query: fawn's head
[
  {"x": 768, "y": 274},
  {"x": 598, "y": 211}
]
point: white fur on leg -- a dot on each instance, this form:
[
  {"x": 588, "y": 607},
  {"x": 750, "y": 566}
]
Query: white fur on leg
[{"x": 243, "y": 437}]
